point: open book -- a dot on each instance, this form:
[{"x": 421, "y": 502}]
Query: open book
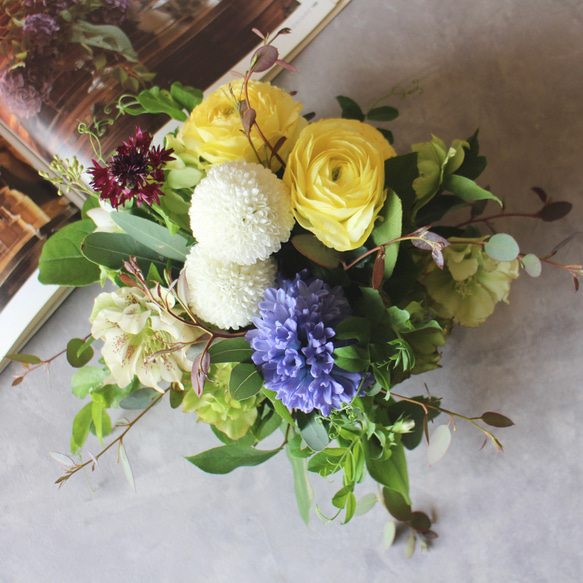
[{"x": 66, "y": 65}]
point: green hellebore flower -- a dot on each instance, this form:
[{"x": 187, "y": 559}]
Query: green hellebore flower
[
  {"x": 471, "y": 283},
  {"x": 216, "y": 406},
  {"x": 435, "y": 161}
]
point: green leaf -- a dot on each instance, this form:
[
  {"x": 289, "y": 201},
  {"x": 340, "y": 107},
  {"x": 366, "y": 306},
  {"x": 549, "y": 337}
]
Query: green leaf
[
  {"x": 439, "y": 443},
  {"x": 365, "y": 504},
  {"x": 226, "y": 458},
  {"x": 61, "y": 261},
  {"x": 383, "y": 113},
  {"x": 85, "y": 379},
  {"x": 350, "y": 508},
  {"x": 420, "y": 521},
  {"x": 328, "y": 461},
  {"x": 473, "y": 164},
  {"x": 127, "y": 468},
  {"x": 104, "y": 36},
  {"x": 389, "y": 226},
  {"x": 400, "y": 172},
  {"x": 502, "y": 247},
  {"x": 24, "y": 358},
  {"x": 81, "y": 425},
  {"x": 244, "y": 381},
  {"x": 112, "y": 249},
  {"x": 153, "y": 236},
  {"x": 389, "y": 534},
  {"x": 350, "y": 109},
  {"x": 410, "y": 544},
  {"x": 78, "y": 352},
  {"x": 266, "y": 424},
  {"x": 354, "y": 328},
  {"x": 353, "y": 358},
  {"x": 466, "y": 188},
  {"x": 279, "y": 407},
  {"x": 313, "y": 249},
  {"x": 247, "y": 439},
  {"x": 302, "y": 486},
  {"x": 139, "y": 399},
  {"x": 161, "y": 101},
  {"x": 396, "y": 504},
  {"x": 91, "y": 202},
  {"x": 230, "y": 350},
  {"x": 496, "y": 419},
  {"x": 312, "y": 430},
  {"x": 97, "y": 412},
  {"x": 391, "y": 472},
  {"x": 532, "y": 265},
  {"x": 187, "y": 97}
]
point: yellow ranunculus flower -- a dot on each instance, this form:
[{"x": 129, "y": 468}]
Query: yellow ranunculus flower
[
  {"x": 336, "y": 175},
  {"x": 214, "y": 132}
]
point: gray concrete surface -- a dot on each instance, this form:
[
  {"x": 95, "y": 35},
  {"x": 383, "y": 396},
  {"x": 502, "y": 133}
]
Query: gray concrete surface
[{"x": 511, "y": 67}]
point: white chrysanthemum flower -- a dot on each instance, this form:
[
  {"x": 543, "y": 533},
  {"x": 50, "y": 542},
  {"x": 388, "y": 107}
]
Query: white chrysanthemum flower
[
  {"x": 140, "y": 338},
  {"x": 241, "y": 212},
  {"x": 226, "y": 294}
]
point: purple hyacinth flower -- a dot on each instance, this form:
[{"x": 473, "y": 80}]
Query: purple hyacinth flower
[{"x": 293, "y": 344}]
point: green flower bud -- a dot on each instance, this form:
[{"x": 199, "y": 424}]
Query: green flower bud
[
  {"x": 470, "y": 285},
  {"x": 434, "y": 162},
  {"x": 216, "y": 406}
]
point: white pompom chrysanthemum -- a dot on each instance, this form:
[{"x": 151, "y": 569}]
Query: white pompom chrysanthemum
[
  {"x": 241, "y": 212},
  {"x": 226, "y": 294}
]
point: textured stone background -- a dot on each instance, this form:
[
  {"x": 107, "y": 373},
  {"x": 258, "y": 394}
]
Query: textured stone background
[{"x": 510, "y": 67}]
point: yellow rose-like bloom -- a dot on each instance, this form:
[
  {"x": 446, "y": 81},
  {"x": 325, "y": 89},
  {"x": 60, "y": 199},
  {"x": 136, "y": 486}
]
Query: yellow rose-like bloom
[
  {"x": 215, "y": 134},
  {"x": 336, "y": 176}
]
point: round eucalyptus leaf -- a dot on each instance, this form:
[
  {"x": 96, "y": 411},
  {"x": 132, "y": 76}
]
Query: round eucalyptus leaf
[
  {"x": 502, "y": 247},
  {"x": 532, "y": 265}
]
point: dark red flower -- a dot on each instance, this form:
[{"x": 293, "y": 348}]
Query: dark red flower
[{"x": 134, "y": 173}]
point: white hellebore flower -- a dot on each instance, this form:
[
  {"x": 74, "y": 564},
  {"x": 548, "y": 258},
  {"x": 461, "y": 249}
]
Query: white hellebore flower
[
  {"x": 226, "y": 294},
  {"x": 141, "y": 338},
  {"x": 241, "y": 212}
]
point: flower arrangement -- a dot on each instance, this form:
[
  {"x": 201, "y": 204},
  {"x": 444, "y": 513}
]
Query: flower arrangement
[{"x": 279, "y": 279}]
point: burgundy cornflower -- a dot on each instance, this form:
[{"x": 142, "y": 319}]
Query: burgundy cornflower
[{"x": 135, "y": 172}]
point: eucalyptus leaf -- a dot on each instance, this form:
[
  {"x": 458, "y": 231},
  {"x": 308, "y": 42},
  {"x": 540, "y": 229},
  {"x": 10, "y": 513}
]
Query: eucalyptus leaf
[
  {"x": 153, "y": 236},
  {"x": 389, "y": 534},
  {"x": 78, "y": 353},
  {"x": 245, "y": 381},
  {"x": 502, "y": 247},
  {"x": 496, "y": 419},
  {"x": 439, "y": 442},
  {"x": 532, "y": 265},
  {"x": 24, "y": 358},
  {"x": 112, "y": 249},
  {"x": 226, "y": 458},
  {"x": 139, "y": 399},
  {"x": 366, "y": 503},
  {"x": 127, "y": 468},
  {"x": 230, "y": 350},
  {"x": 61, "y": 261},
  {"x": 312, "y": 430}
]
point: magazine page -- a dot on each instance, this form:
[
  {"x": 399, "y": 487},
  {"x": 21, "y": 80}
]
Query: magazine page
[
  {"x": 66, "y": 63},
  {"x": 63, "y": 67}
]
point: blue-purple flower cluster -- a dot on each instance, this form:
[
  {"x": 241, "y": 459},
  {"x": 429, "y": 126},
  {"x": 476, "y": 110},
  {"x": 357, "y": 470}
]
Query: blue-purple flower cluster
[{"x": 293, "y": 344}]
